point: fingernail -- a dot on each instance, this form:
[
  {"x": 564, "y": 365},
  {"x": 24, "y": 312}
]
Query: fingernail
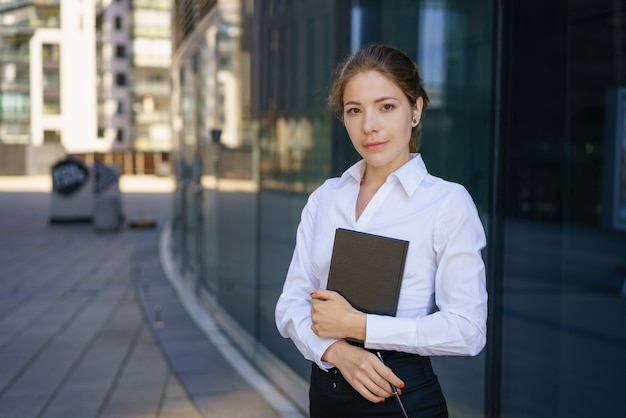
[
  {"x": 399, "y": 391},
  {"x": 383, "y": 400},
  {"x": 401, "y": 385}
]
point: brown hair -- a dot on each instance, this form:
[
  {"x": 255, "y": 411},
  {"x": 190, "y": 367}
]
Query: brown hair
[{"x": 390, "y": 62}]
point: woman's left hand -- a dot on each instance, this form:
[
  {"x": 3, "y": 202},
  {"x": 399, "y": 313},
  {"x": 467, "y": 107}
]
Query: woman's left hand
[{"x": 332, "y": 316}]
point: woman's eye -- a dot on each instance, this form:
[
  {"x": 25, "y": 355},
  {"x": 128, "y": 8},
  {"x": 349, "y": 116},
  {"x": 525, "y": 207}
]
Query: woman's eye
[
  {"x": 387, "y": 106},
  {"x": 352, "y": 111}
]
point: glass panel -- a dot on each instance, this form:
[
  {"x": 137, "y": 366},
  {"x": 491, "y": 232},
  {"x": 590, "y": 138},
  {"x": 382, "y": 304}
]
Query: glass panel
[
  {"x": 209, "y": 159},
  {"x": 564, "y": 342},
  {"x": 295, "y": 145},
  {"x": 593, "y": 262},
  {"x": 189, "y": 166},
  {"x": 237, "y": 181}
]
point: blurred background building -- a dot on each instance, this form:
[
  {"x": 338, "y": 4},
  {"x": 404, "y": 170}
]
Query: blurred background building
[
  {"x": 88, "y": 79},
  {"x": 527, "y": 112}
]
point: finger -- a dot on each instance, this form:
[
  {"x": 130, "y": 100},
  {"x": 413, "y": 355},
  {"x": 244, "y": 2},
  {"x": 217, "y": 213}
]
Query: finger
[
  {"x": 391, "y": 378},
  {"x": 370, "y": 377},
  {"x": 316, "y": 310},
  {"x": 380, "y": 389},
  {"x": 386, "y": 378},
  {"x": 323, "y": 294},
  {"x": 371, "y": 396}
]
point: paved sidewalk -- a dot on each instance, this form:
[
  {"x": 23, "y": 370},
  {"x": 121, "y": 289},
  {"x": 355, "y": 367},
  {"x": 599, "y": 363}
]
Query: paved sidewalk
[{"x": 90, "y": 326}]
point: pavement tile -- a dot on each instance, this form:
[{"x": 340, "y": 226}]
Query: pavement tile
[
  {"x": 221, "y": 405},
  {"x": 75, "y": 407},
  {"x": 20, "y": 406}
]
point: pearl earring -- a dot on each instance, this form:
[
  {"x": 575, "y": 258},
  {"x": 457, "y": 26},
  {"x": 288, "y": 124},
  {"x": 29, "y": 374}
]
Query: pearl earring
[{"x": 414, "y": 122}]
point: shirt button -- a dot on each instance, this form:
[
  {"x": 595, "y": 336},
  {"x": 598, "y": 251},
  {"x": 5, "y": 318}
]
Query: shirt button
[
  {"x": 335, "y": 371},
  {"x": 334, "y": 385}
]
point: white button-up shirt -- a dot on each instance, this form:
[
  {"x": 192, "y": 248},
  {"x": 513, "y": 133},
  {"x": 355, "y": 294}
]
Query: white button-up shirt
[{"x": 442, "y": 308}]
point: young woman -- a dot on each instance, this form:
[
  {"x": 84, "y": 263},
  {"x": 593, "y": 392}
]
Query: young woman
[{"x": 379, "y": 96}]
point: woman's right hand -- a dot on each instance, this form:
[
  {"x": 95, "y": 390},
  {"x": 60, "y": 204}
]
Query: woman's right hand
[{"x": 363, "y": 371}]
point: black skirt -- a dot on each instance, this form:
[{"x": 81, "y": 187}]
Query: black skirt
[{"x": 330, "y": 395}]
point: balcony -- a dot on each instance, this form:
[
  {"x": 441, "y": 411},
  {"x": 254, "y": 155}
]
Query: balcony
[
  {"x": 159, "y": 61},
  {"x": 152, "y": 4},
  {"x": 10, "y": 5},
  {"x": 156, "y": 89},
  {"x": 16, "y": 129},
  {"x": 159, "y": 32},
  {"x": 151, "y": 117},
  {"x": 9, "y": 138},
  {"x": 17, "y": 55},
  {"x": 19, "y": 86},
  {"x": 33, "y": 22},
  {"x": 14, "y": 116}
]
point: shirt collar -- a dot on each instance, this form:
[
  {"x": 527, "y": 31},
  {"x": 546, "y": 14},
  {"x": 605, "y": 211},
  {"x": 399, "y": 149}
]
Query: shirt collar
[{"x": 410, "y": 175}]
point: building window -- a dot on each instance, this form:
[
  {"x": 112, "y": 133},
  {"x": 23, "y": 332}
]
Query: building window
[
  {"x": 50, "y": 52},
  {"x": 51, "y": 79},
  {"x": 120, "y": 51},
  {"x": 119, "y": 137},
  {"x": 51, "y": 106},
  {"x": 118, "y": 22},
  {"x": 51, "y": 137},
  {"x": 120, "y": 79},
  {"x": 100, "y": 133},
  {"x": 120, "y": 107}
]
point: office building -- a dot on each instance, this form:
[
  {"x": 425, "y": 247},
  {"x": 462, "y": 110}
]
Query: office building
[{"x": 527, "y": 112}]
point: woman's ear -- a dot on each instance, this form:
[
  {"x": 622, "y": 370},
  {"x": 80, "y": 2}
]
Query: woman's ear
[{"x": 417, "y": 110}]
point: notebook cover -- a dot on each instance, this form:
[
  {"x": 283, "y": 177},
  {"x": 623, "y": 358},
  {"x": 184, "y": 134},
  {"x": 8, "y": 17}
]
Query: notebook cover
[{"x": 367, "y": 270}]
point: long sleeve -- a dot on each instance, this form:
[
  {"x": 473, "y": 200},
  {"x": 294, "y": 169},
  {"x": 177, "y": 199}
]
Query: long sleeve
[
  {"x": 293, "y": 309},
  {"x": 458, "y": 324}
]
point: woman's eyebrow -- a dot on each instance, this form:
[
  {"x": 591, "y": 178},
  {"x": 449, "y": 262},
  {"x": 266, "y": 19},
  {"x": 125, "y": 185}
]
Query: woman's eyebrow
[{"x": 380, "y": 99}]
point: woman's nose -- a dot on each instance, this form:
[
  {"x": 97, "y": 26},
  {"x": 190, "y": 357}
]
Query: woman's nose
[{"x": 369, "y": 122}]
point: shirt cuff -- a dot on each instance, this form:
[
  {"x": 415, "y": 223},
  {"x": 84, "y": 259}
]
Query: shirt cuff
[
  {"x": 391, "y": 333},
  {"x": 325, "y": 344}
]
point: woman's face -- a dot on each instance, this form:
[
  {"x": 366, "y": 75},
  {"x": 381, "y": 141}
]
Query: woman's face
[{"x": 379, "y": 118}]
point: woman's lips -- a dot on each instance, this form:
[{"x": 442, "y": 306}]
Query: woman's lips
[{"x": 374, "y": 145}]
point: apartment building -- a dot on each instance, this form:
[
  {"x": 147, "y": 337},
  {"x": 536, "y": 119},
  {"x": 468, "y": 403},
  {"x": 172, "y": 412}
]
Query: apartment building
[
  {"x": 78, "y": 77},
  {"x": 134, "y": 52}
]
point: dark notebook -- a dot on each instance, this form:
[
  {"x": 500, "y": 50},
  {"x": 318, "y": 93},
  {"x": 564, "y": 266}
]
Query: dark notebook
[{"x": 367, "y": 270}]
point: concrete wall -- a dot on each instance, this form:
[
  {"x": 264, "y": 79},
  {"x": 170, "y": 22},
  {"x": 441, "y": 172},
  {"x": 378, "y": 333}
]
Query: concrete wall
[{"x": 21, "y": 160}]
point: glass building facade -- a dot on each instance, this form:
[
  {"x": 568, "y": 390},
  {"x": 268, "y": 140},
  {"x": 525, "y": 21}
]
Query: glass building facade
[{"x": 527, "y": 111}]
